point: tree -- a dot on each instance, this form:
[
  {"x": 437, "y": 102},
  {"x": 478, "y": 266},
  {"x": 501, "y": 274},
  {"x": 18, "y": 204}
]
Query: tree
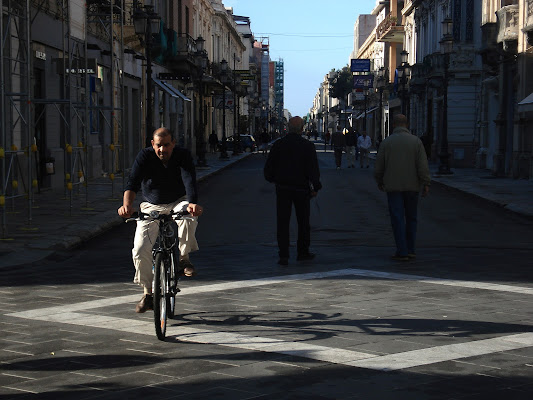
[{"x": 341, "y": 83}]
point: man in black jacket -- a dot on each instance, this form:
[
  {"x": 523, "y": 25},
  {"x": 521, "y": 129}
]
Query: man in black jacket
[
  {"x": 292, "y": 165},
  {"x": 166, "y": 175}
]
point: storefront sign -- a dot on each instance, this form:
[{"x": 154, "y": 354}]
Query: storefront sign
[
  {"x": 77, "y": 67},
  {"x": 41, "y": 55},
  {"x": 360, "y": 65},
  {"x": 363, "y": 81}
]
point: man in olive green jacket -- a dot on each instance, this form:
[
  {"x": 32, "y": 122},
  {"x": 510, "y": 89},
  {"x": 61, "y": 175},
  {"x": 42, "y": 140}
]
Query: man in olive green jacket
[{"x": 401, "y": 170}]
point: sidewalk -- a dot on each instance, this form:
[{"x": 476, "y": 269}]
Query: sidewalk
[
  {"x": 60, "y": 221},
  {"x": 513, "y": 194}
]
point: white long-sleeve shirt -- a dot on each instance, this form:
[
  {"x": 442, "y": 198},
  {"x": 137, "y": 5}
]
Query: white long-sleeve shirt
[{"x": 364, "y": 142}]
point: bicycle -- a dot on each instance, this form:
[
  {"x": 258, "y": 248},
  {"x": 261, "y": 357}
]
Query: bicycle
[{"x": 166, "y": 258}]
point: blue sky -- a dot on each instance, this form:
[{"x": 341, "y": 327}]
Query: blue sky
[{"x": 311, "y": 36}]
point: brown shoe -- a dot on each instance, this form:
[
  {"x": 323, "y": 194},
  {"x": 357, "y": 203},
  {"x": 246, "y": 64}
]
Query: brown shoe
[
  {"x": 146, "y": 303},
  {"x": 187, "y": 268}
]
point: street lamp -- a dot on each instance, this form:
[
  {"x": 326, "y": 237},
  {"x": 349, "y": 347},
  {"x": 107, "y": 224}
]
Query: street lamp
[
  {"x": 201, "y": 59},
  {"x": 223, "y": 76},
  {"x": 404, "y": 73},
  {"x": 147, "y": 23},
  {"x": 236, "y": 136},
  {"x": 380, "y": 84},
  {"x": 446, "y": 48},
  {"x": 365, "y": 91},
  {"x": 325, "y": 120}
]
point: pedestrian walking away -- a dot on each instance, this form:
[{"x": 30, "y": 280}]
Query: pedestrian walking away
[
  {"x": 292, "y": 165},
  {"x": 166, "y": 175},
  {"x": 213, "y": 141},
  {"x": 351, "y": 143},
  {"x": 401, "y": 171},
  {"x": 364, "y": 143},
  {"x": 265, "y": 140},
  {"x": 338, "y": 144}
]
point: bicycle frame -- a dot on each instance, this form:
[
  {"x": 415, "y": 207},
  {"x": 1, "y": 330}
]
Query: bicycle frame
[{"x": 165, "y": 254}]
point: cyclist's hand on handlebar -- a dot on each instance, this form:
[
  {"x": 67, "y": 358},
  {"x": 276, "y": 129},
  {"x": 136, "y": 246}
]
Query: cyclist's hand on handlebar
[
  {"x": 195, "y": 209},
  {"x": 125, "y": 211}
]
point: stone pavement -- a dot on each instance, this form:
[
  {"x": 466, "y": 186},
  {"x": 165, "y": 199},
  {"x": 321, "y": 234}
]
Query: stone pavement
[{"x": 60, "y": 222}]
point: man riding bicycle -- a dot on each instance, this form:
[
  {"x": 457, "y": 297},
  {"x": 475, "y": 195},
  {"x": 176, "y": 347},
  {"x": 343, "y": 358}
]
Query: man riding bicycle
[{"x": 167, "y": 177}]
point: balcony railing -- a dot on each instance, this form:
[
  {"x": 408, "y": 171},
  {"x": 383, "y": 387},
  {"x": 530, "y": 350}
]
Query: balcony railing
[{"x": 390, "y": 30}]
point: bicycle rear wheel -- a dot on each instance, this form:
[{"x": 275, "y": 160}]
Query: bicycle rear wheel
[{"x": 160, "y": 297}]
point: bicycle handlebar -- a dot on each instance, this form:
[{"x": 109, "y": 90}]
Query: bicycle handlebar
[{"x": 156, "y": 215}]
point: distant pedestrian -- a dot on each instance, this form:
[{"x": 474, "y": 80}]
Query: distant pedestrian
[
  {"x": 338, "y": 143},
  {"x": 402, "y": 171},
  {"x": 378, "y": 142},
  {"x": 363, "y": 144},
  {"x": 327, "y": 136},
  {"x": 351, "y": 145},
  {"x": 315, "y": 134},
  {"x": 292, "y": 165},
  {"x": 213, "y": 141},
  {"x": 265, "y": 140}
]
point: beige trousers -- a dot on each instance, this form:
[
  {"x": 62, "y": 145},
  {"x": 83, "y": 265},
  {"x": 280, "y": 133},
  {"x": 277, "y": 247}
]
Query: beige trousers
[{"x": 146, "y": 235}]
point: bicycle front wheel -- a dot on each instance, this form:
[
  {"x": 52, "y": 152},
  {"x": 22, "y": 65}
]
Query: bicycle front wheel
[
  {"x": 160, "y": 297},
  {"x": 173, "y": 284}
]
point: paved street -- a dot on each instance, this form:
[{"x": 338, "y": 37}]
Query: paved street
[{"x": 456, "y": 323}]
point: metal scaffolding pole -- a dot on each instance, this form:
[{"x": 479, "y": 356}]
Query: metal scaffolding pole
[
  {"x": 2, "y": 126},
  {"x": 15, "y": 106}
]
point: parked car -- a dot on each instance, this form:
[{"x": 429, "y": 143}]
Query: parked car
[{"x": 248, "y": 143}]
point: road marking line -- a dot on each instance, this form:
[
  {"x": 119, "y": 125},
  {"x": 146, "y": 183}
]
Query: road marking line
[
  {"x": 70, "y": 314},
  {"x": 450, "y": 352}
]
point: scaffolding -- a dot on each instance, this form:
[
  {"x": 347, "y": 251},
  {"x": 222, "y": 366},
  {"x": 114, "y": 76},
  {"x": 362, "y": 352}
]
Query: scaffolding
[
  {"x": 279, "y": 83},
  {"x": 106, "y": 20},
  {"x": 16, "y": 144},
  {"x": 73, "y": 109}
]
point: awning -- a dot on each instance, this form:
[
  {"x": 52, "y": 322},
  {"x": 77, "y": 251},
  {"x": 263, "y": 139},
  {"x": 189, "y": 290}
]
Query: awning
[
  {"x": 169, "y": 89},
  {"x": 526, "y": 104}
]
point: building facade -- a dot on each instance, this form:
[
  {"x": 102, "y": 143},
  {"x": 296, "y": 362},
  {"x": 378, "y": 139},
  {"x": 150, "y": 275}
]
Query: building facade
[{"x": 83, "y": 87}]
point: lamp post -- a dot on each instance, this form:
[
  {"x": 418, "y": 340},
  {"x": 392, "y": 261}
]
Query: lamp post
[
  {"x": 380, "y": 84},
  {"x": 201, "y": 58},
  {"x": 146, "y": 23},
  {"x": 404, "y": 73},
  {"x": 365, "y": 91},
  {"x": 446, "y": 47},
  {"x": 236, "y": 136},
  {"x": 325, "y": 117},
  {"x": 223, "y": 72}
]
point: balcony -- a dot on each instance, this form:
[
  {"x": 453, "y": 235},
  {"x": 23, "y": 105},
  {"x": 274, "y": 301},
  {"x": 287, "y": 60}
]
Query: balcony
[
  {"x": 181, "y": 57},
  {"x": 528, "y": 25},
  {"x": 508, "y": 27},
  {"x": 389, "y": 31}
]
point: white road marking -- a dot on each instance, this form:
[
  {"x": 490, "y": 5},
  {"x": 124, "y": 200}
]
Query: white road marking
[
  {"x": 450, "y": 352},
  {"x": 70, "y": 314}
]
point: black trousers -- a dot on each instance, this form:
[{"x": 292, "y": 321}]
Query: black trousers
[
  {"x": 285, "y": 198},
  {"x": 338, "y": 156}
]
